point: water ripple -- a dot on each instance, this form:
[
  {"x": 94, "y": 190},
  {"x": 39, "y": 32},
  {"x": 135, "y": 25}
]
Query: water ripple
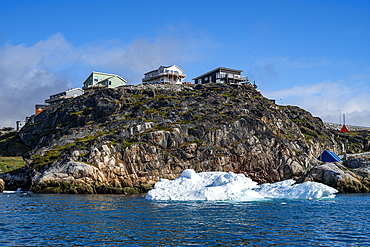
[{"x": 116, "y": 220}]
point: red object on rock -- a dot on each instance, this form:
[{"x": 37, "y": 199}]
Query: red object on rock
[{"x": 344, "y": 129}]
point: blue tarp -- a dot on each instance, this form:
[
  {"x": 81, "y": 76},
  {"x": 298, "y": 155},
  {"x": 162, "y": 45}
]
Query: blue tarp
[{"x": 328, "y": 156}]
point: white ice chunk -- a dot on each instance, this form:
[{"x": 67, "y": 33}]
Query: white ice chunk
[
  {"x": 191, "y": 186},
  {"x": 287, "y": 189},
  {"x": 19, "y": 190},
  {"x": 204, "y": 186}
]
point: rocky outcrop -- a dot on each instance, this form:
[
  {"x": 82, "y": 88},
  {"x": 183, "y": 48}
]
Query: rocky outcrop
[
  {"x": 12, "y": 145},
  {"x": 2, "y": 185},
  {"x": 361, "y": 167},
  {"x": 20, "y": 178},
  {"x": 336, "y": 176},
  {"x": 350, "y": 176},
  {"x": 123, "y": 140}
]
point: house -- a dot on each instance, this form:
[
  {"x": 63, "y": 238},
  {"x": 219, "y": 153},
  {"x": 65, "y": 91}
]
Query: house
[
  {"x": 39, "y": 108},
  {"x": 57, "y": 98},
  {"x": 20, "y": 124},
  {"x": 99, "y": 80},
  {"x": 171, "y": 75},
  {"x": 221, "y": 75}
]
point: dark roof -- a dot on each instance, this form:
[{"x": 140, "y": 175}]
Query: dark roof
[
  {"x": 219, "y": 68},
  {"x": 40, "y": 106}
]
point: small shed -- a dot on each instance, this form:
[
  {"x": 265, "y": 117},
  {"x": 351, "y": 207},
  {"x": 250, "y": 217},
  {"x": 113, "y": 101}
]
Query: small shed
[{"x": 328, "y": 156}]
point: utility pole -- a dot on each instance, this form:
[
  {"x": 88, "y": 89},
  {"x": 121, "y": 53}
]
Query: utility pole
[
  {"x": 345, "y": 141},
  {"x": 340, "y": 117}
]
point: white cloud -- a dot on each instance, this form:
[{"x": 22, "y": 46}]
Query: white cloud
[
  {"x": 30, "y": 74},
  {"x": 328, "y": 100}
]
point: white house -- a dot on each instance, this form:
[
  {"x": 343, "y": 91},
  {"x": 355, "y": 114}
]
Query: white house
[
  {"x": 171, "y": 75},
  {"x": 56, "y": 98}
]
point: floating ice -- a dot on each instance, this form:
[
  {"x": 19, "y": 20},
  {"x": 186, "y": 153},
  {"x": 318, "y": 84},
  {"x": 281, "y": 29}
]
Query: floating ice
[
  {"x": 204, "y": 186},
  {"x": 221, "y": 186},
  {"x": 287, "y": 189},
  {"x": 19, "y": 190}
]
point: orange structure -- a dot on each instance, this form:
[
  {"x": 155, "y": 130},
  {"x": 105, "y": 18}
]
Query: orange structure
[{"x": 39, "y": 108}]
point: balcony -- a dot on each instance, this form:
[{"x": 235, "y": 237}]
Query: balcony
[
  {"x": 235, "y": 77},
  {"x": 57, "y": 99},
  {"x": 153, "y": 76}
]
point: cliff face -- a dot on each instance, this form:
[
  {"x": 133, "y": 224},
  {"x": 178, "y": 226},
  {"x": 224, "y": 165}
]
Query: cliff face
[
  {"x": 12, "y": 145},
  {"x": 123, "y": 140}
]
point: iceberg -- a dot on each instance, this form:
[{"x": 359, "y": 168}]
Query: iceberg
[
  {"x": 19, "y": 190},
  {"x": 288, "y": 190},
  {"x": 229, "y": 186}
]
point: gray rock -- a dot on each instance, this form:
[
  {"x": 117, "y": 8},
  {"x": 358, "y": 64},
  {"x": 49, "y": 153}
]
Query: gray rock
[
  {"x": 335, "y": 175},
  {"x": 2, "y": 185},
  {"x": 356, "y": 163}
]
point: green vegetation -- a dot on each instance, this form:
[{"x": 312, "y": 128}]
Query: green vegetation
[
  {"x": 126, "y": 144},
  {"x": 56, "y": 152},
  {"x": 160, "y": 127},
  {"x": 47, "y": 158},
  {"x": 297, "y": 120},
  {"x": 229, "y": 94},
  {"x": 170, "y": 155},
  {"x": 33, "y": 124},
  {"x": 79, "y": 113},
  {"x": 8, "y": 164},
  {"x": 62, "y": 125},
  {"x": 11, "y": 141},
  {"x": 198, "y": 142}
]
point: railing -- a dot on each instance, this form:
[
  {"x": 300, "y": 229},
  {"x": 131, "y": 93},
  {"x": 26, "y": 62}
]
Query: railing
[
  {"x": 165, "y": 73},
  {"x": 57, "y": 99},
  {"x": 232, "y": 76}
]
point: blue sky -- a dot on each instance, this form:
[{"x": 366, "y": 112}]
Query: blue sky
[{"x": 313, "y": 54}]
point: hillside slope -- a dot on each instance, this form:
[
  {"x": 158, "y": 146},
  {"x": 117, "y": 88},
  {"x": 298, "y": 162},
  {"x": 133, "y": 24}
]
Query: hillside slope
[{"x": 123, "y": 140}]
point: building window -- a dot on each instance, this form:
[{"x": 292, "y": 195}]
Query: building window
[
  {"x": 218, "y": 75},
  {"x": 95, "y": 78},
  {"x": 210, "y": 79},
  {"x": 110, "y": 82},
  {"x": 206, "y": 78},
  {"x": 200, "y": 81}
]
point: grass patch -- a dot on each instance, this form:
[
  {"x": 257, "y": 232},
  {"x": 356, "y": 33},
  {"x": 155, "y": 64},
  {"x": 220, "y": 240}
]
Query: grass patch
[
  {"x": 297, "y": 120},
  {"x": 126, "y": 144},
  {"x": 160, "y": 127},
  {"x": 62, "y": 125},
  {"x": 47, "y": 158},
  {"x": 8, "y": 164},
  {"x": 198, "y": 142},
  {"x": 78, "y": 113},
  {"x": 170, "y": 155}
]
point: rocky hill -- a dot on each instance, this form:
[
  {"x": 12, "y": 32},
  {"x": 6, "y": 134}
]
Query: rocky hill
[
  {"x": 123, "y": 140},
  {"x": 11, "y": 144}
]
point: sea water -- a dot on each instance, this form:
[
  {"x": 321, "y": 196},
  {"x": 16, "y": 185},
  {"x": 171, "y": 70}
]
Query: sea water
[{"x": 28, "y": 219}]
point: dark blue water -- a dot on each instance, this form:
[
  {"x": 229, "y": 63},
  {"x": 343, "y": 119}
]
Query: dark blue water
[{"x": 116, "y": 220}]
